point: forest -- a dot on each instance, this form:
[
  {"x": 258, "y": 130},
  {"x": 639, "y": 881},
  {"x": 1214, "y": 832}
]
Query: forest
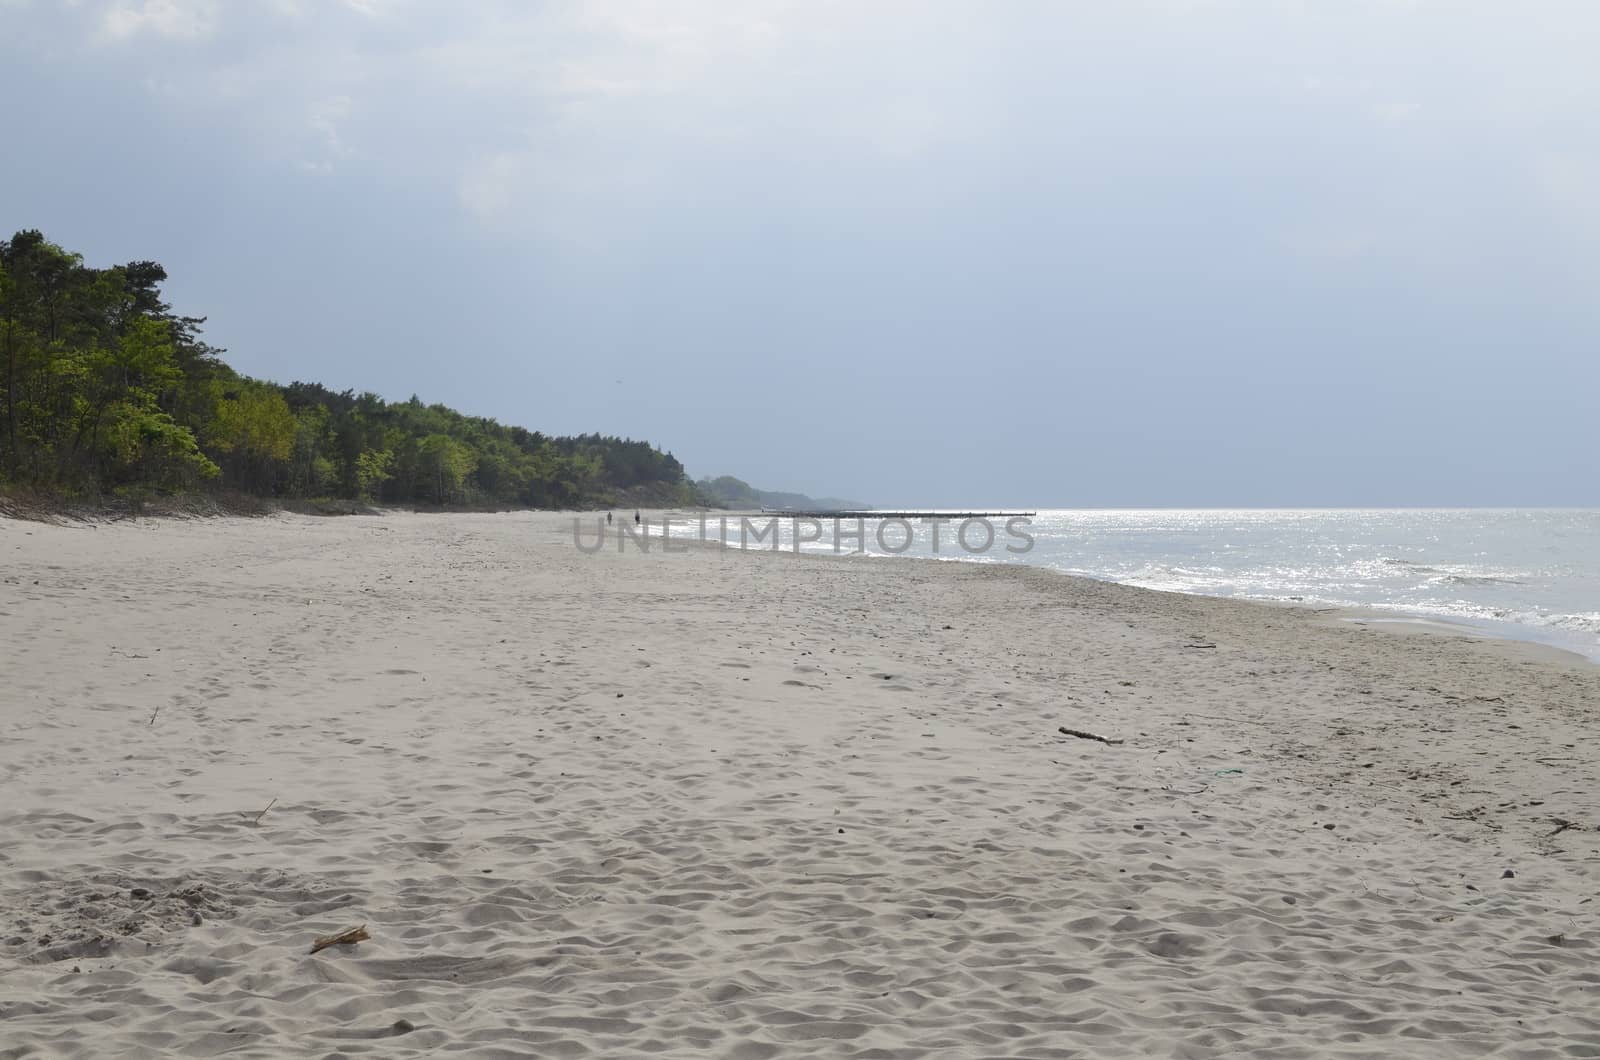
[{"x": 108, "y": 393}]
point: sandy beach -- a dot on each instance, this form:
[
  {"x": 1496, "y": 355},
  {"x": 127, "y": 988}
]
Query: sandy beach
[{"x": 755, "y": 805}]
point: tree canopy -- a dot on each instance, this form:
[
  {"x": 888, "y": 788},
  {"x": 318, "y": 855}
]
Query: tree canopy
[{"x": 104, "y": 388}]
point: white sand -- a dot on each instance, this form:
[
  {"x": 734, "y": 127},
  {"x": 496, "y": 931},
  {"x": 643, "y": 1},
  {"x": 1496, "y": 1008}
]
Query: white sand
[{"x": 751, "y": 806}]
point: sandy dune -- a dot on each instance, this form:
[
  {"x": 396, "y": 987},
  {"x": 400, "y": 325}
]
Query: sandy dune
[{"x": 758, "y": 806}]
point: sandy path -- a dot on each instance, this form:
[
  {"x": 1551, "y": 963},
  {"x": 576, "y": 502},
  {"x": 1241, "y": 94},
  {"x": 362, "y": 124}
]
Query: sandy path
[{"x": 753, "y": 806}]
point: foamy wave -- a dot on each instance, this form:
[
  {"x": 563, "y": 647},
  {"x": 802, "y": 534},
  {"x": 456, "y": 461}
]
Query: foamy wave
[
  {"x": 1516, "y": 573},
  {"x": 1586, "y": 622},
  {"x": 1480, "y": 579},
  {"x": 1420, "y": 568}
]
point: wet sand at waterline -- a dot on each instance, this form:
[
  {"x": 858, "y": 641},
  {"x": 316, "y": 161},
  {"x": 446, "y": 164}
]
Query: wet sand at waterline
[{"x": 755, "y": 805}]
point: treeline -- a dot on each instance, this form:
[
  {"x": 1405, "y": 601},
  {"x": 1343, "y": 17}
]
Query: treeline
[{"x": 106, "y": 389}]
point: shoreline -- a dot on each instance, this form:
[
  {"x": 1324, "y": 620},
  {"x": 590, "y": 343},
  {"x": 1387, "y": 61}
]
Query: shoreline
[
  {"x": 698, "y": 804},
  {"x": 1391, "y": 619},
  {"x": 1416, "y": 623}
]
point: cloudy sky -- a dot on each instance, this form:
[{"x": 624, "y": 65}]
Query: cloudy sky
[{"x": 1164, "y": 252}]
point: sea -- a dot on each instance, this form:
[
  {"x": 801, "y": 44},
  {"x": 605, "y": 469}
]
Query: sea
[{"x": 1527, "y": 573}]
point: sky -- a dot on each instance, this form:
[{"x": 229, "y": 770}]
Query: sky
[{"x": 1070, "y": 253}]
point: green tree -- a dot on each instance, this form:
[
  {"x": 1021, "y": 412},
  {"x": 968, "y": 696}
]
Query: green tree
[
  {"x": 444, "y": 464},
  {"x": 373, "y": 469},
  {"x": 254, "y": 426}
]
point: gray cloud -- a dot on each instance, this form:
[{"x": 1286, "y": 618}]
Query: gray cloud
[{"x": 811, "y": 236}]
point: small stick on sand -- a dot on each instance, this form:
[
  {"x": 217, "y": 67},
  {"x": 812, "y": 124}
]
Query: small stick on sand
[
  {"x": 343, "y": 938},
  {"x": 263, "y": 813},
  {"x": 153, "y": 714},
  {"x": 1085, "y": 735}
]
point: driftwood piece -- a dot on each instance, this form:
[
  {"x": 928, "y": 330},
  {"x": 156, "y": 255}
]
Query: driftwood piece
[
  {"x": 1080, "y": 734},
  {"x": 343, "y": 938},
  {"x": 263, "y": 813}
]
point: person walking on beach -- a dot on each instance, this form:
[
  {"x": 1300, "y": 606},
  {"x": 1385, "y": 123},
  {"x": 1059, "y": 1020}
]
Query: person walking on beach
[
  {"x": 635, "y": 518},
  {"x": 608, "y": 518}
]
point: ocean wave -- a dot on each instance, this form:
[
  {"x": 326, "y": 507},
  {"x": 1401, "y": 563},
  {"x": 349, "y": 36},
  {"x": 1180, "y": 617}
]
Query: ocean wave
[
  {"x": 1520, "y": 574},
  {"x": 1577, "y": 630},
  {"x": 1583, "y": 622},
  {"x": 1420, "y": 568}
]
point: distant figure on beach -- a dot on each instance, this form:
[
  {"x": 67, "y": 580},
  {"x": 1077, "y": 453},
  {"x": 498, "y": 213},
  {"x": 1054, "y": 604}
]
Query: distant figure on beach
[
  {"x": 608, "y": 518},
  {"x": 635, "y": 518}
]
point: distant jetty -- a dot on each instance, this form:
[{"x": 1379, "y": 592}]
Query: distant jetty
[{"x": 861, "y": 513}]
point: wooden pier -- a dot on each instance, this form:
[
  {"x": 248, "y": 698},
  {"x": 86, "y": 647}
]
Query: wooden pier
[{"x": 871, "y": 514}]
